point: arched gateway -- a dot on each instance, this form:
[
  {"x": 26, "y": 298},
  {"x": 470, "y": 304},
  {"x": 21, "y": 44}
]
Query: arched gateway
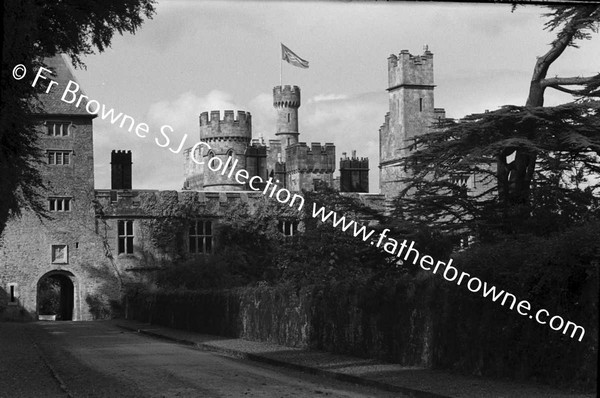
[{"x": 56, "y": 295}]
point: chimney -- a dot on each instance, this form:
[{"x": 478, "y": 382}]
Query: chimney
[{"x": 120, "y": 162}]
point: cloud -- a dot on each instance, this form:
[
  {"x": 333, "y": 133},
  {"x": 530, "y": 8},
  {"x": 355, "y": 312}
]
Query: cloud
[
  {"x": 350, "y": 122},
  {"x": 263, "y": 115},
  {"x": 182, "y": 113},
  {"x": 156, "y": 167},
  {"x": 327, "y": 97}
]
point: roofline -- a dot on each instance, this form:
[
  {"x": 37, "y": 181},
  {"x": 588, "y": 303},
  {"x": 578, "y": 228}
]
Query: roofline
[{"x": 71, "y": 115}]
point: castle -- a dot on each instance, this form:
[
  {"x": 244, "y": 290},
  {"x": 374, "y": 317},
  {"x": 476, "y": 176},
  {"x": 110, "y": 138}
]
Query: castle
[
  {"x": 95, "y": 240},
  {"x": 411, "y": 113},
  {"x": 290, "y": 163}
]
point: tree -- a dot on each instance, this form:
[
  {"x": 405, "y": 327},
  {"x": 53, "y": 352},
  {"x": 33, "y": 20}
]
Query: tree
[
  {"x": 520, "y": 154},
  {"x": 34, "y": 29}
]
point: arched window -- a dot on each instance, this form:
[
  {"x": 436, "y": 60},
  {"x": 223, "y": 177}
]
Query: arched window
[
  {"x": 211, "y": 154},
  {"x": 230, "y": 153}
]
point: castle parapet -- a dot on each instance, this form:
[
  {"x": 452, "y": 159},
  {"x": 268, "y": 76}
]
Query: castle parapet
[
  {"x": 406, "y": 69},
  {"x": 314, "y": 159},
  {"x": 286, "y": 96},
  {"x": 233, "y": 124}
]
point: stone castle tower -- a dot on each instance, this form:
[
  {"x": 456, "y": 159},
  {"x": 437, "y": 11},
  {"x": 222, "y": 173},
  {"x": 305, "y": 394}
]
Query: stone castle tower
[
  {"x": 286, "y": 100},
  {"x": 354, "y": 173},
  {"x": 228, "y": 137},
  {"x": 291, "y": 164},
  {"x": 65, "y": 247},
  {"x": 411, "y": 113},
  {"x": 120, "y": 171}
]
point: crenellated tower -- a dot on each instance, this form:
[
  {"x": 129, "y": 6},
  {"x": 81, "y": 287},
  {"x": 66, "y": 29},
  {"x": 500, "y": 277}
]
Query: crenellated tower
[
  {"x": 286, "y": 99},
  {"x": 120, "y": 162},
  {"x": 307, "y": 167},
  {"x": 228, "y": 137},
  {"x": 411, "y": 113},
  {"x": 354, "y": 173}
]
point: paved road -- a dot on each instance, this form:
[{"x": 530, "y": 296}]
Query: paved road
[{"x": 95, "y": 359}]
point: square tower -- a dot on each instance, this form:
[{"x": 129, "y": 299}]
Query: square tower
[{"x": 411, "y": 113}]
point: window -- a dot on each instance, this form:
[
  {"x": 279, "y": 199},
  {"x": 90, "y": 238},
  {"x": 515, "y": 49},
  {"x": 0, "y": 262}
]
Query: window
[
  {"x": 59, "y": 204},
  {"x": 59, "y": 254},
  {"x": 125, "y": 233},
  {"x": 420, "y": 104},
  {"x": 230, "y": 153},
  {"x": 59, "y": 157},
  {"x": 288, "y": 117},
  {"x": 13, "y": 293},
  {"x": 211, "y": 154},
  {"x": 288, "y": 228},
  {"x": 58, "y": 129},
  {"x": 200, "y": 237}
]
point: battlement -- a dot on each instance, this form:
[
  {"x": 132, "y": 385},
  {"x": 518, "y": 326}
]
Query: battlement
[
  {"x": 405, "y": 69},
  {"x": 316, "y": 158},
  {"x": 286, "y": 96},
  {"x": 238, "y": 124},
  {"x": 256, "y": 150},
  {"x": 353, "y": 163},
  {"x": 354, "y": 173},
  {"x": 120, "y": 154}
]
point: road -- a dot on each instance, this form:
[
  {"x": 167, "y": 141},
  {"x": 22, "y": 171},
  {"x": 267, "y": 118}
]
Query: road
[{"x": 96, "y": 359}]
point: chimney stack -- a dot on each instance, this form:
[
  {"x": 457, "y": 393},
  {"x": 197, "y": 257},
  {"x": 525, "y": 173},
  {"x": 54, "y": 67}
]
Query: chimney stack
[{"x": 120, "y": 162}]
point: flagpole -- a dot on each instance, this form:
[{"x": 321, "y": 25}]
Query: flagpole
[{"x": 280, "y": 70}]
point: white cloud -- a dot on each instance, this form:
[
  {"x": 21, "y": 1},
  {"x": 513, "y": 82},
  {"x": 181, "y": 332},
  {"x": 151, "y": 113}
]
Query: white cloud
[
  {"x": 327, "y": 97},
  {"x": 182, "y": 114},
  {"x": 351, "y": 123},
  {"x": 156, "y": 167}
]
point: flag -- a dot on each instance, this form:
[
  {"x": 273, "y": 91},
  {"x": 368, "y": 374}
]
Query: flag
[{"x": 291, "y": 58}]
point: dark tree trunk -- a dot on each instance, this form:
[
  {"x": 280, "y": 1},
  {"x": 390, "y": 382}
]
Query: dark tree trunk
[{"x": 515, "y": 180}]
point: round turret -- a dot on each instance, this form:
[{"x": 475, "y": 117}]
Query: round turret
[
  {"x": 228, "y": 137},
  {"x": 286, "y": 99}
]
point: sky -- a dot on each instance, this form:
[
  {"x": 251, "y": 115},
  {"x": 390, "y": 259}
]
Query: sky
[{"x": 197, "y": 56}]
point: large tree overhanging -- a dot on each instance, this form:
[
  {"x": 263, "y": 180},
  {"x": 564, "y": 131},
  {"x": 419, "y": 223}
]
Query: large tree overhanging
[
  {"x": 34, "y": 29},
  {"x": 571, "y": 24},
  {"x": 524, "y": 144}
]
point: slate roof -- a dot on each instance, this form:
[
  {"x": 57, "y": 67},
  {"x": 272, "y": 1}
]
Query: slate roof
[{"x": 51, "y": 103}]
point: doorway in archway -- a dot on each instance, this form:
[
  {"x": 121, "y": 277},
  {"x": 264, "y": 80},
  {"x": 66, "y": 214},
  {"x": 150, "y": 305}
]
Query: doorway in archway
[{"x": 55, "y": 295}]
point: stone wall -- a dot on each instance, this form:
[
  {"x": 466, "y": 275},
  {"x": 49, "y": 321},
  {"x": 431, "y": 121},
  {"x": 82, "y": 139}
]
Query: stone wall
[{"x": 411, "y": 321}]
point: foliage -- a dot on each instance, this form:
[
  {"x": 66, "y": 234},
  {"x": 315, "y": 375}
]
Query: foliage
[
  {"x": 98, "y": 306},
  {"x": 324, "y": 253},
  {"x": 408, "y": 320},
  {"x": 34, "y": 29},
  {"x": 49, "y": 296},
  {"x": 558, "y": 273},
  {"x": 520, "y": 156},
  {"x": 564, "y": 139}
]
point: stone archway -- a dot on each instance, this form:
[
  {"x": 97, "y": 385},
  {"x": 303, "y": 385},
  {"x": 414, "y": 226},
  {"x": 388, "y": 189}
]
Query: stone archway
[{"x": 56, "y": 295}]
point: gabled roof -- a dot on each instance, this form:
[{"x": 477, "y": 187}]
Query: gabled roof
[{"x": 51, "y": 103}]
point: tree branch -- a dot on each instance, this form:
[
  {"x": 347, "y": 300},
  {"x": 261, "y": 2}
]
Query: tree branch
[
  {"x": 592, "y": 83},
  {"x": 572, "y": 28},
  {"x": 570, "y": 81}
]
